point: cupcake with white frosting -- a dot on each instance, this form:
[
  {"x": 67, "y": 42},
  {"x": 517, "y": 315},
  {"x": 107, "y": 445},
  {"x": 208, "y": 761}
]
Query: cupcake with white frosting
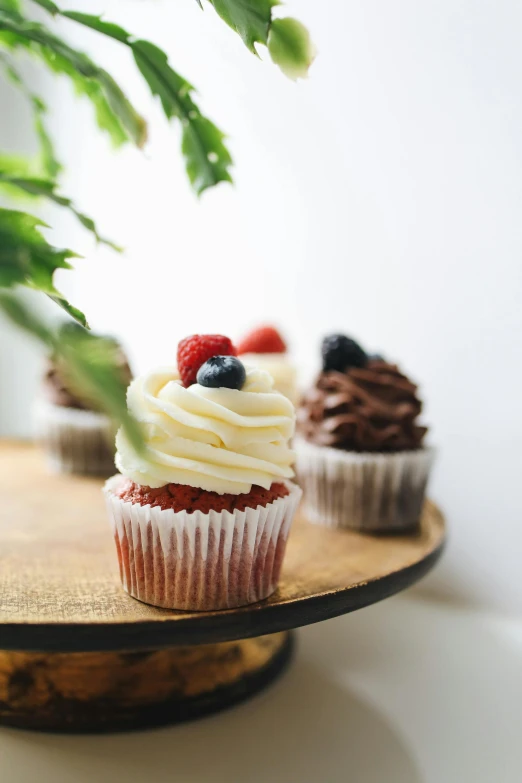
[
  {"x": 202, "y": 516},
  {"x": 264, "y": 347}
]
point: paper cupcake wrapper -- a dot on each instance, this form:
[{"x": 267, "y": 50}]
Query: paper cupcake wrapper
[
  {"x": 198, "y": 561},
  {"x": 75, "y": 441},
  {"x": 366, "y": 492}
]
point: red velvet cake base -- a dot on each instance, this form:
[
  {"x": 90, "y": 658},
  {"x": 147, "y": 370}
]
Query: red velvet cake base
[
  {"x": 181, "y": 497},
  {"x": 194, "y": 560}
]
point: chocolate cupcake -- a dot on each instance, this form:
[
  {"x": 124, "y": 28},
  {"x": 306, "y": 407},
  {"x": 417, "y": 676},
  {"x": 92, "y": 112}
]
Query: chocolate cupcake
[
  {"x": 76, "y": 437},
  {"x": 361, "y": 458},
  {"x": 201, "y": 517}
]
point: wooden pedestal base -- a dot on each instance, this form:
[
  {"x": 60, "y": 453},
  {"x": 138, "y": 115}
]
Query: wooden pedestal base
[{"x": 115, "y": 691}]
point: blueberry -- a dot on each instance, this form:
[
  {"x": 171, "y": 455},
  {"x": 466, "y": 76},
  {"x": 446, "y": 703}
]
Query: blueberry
[
  {"x": 376, "y": 357},
  {"x": 222, "y": 371},
  {"x": 340, "y": 353}
]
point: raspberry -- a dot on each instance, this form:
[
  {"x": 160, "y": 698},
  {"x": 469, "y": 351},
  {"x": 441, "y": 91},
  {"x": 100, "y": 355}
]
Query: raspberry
[
  {"x": 264, "y": 339},
  {"x": 194, "y": 351}
]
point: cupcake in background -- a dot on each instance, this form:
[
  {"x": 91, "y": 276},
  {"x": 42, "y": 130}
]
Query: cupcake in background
[
  {"x": 76, "y": 437},
  {"x": 264, "y": 347},
  {"x": 201, "y": 518},
  {"x": 361, "y": 458}
]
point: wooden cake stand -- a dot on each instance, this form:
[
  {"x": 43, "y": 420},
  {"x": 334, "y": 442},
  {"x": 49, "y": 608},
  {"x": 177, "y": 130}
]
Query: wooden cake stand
[{"x": 78, "y": 654}]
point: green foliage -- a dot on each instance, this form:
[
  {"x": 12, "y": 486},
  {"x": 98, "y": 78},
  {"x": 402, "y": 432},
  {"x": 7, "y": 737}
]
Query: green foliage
[
  {"x": 288, "y": 41},
  {"x": 47, "y": 164},
  {"x": 47, "y": 4},
  {"x": 47, "y": 189},
  {"x": 10, "y": 5},
  {"x": 106, "y": 119},
  {"x": 251, "y": 19},
  {"x": 290, "y": 47},
  {"x": 90, "y": 360},
  {"x": 114, "y": 111},
  {"x": 17, "y": 165},
  {"x": 26, "y": 319},
  {"x": 50, "y": 164},
  {"x": 207, "y": 159},
  {"x": 27, "y": 258}
]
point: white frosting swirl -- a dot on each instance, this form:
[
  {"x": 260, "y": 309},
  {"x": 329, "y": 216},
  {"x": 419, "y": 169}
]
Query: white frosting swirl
[
  {"x": 220, "y": 440},
  {"x": 279, "y": 366}
]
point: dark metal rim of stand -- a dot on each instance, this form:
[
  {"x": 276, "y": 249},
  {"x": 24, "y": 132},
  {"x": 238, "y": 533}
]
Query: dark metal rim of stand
[{"x": 210, "y": 627}]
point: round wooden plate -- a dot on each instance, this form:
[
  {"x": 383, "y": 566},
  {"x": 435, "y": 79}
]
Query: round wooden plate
[
  {"x": 78, "y": 654},
  {"x": 60, "y": 589}
]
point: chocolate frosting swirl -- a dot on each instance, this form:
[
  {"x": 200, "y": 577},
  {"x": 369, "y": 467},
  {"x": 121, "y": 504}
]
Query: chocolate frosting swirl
[
  {"x": 363, "y": 409},
  {"x": 59, "y": 389}
]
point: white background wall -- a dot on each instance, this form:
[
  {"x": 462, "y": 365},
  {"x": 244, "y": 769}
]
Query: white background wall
[{"x": 382, "y": 197}]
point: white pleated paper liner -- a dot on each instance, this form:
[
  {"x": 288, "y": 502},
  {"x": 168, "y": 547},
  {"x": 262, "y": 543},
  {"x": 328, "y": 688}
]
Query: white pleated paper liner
[
  {"x": 374, "y": 493},
  {"x": 197, "y": 561},
  {"x": 75, "y": 441}
]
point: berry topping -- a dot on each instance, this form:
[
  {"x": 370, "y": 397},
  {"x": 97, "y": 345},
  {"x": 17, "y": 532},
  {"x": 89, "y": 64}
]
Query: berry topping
[
  {"x": 222, "y": 371},
  {"x": 340, "y": 353},
  {"x": 265, "y": 339},
  {"x": 194, "y": 351}
]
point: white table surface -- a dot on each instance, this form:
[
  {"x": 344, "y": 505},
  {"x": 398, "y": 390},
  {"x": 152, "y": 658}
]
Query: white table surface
[{"x": 408, "y": 691}]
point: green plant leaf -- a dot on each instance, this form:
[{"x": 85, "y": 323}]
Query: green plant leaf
[
  {"x": 291, "y": 48},
  {"x": 48, "y": 163},
  {"x": 171, "y": 88},
  {"x": 251, "y": 19},
  {"x": 47, "y": 189},
  {"x": 288, "y": 41},
  {"x": 48, "y": 5},
  {"x": 70, "y": 309},
  {"x": 97, "y": 23},
  {"x": 207, "y": 159},
  {"x": 90, "y": 360},
  {"x": 19, "y": 314},
  {"x": 17, "y": 165},
  {"x": 11, "y": 5},
  {"x": 202, "y": 143},
  {"x": 106, "y": 119},
  {"x": 114, "y": 112},
  {"x": 26, "y": 258}
]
